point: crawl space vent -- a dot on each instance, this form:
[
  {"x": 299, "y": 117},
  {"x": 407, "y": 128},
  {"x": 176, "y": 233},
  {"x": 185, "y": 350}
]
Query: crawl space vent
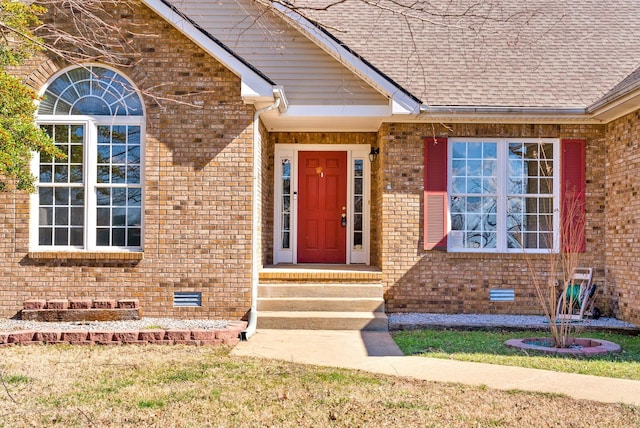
[
  {"x": 502, "y": 295},
  {"x": 187, "y": 299}
]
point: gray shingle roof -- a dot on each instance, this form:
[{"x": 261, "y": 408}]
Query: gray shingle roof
[
  {"x": 533, "y": 53},
  {"x": 632, "y": 81}
]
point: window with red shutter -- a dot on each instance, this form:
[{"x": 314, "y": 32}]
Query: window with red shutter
[
  {"x": 503, "y": 195},
  {"x": 435, "y": 194},
  {"x": 492, "y": 195}
]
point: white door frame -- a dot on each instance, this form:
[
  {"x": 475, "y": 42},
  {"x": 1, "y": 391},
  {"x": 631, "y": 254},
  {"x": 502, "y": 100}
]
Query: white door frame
[{"x": 287, "y": 154}]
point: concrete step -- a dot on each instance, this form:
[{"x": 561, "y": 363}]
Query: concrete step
[
  {"x": 318, "y": 303},
  {"x": 328, "y": 290},
  {"x": 315, "y": 320},
  {"x": 320, "y": 273},
  {"x": 322, "y": 304}
]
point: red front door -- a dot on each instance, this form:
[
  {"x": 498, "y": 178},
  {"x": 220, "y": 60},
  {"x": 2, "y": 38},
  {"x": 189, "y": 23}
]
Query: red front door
[{"x": 322, "y": 201}]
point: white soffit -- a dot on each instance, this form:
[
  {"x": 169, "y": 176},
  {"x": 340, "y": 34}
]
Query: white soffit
[
  {"x": 333, "y": 118},
  {"x": 321, "y": 124},
  {"x": 254, "y": 87}
]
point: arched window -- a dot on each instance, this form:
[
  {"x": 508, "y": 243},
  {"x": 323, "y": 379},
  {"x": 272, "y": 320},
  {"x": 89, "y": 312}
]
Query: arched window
[{"x": 92, "y": 199}]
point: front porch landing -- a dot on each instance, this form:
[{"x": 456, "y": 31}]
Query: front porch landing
[{"x": 308, "y": 271}]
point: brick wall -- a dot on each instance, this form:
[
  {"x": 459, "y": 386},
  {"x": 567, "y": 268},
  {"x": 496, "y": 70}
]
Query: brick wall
[
  {"x": 197, "y": 191},
  {"x": 623, "y": 206},
  {"x": 266, "y": 195},
  {"x": 433, "y": 281}
]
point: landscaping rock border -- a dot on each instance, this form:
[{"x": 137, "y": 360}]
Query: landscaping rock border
[
  {"x": 229, "y": 335},
  {"x": 483, "y": 322}
]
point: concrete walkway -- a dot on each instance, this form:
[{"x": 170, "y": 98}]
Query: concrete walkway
[{"x": 376, "y": 352}]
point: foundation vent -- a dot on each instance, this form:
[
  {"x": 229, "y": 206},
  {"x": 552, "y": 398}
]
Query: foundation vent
[
  {"x": 187, "y": 299},
  {"x": 502, "y": 295}
]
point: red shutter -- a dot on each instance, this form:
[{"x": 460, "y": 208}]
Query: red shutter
[
  {"x": 435, "y": 194},
  {"x": 572, "y": 214}
]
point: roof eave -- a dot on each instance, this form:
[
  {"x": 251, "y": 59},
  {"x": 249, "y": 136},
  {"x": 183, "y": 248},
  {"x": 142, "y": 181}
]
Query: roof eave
[
  {"x": 618, "y": 104},
  {"x": 501, "y": 114}
]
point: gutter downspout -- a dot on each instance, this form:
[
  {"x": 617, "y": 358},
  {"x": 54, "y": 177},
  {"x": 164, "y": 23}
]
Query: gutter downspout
[{"x": 255, "y": 226}]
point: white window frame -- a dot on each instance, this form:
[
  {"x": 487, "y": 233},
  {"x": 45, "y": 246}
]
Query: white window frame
[
  {"x": 290, "y": 151},
  {"x": 502, "y": 177},
  {"x": 90, "y": 161},
  {"x": 91, "y": 124}
]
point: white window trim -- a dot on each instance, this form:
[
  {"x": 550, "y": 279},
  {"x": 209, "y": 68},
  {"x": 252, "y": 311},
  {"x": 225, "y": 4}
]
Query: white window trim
[
  {"x": 91, "y": 124},
  {"x": 290, "y": 151},
  {"x": 501, "y": 246}
]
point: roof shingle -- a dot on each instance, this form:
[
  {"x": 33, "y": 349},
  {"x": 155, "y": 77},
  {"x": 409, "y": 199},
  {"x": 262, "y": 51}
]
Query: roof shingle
[{"x": 538, "y": 53}]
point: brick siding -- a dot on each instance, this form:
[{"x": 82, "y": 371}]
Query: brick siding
[
  {"x": 197, "y": 191},
  {"x": 416, "y": 280},
  {"x": 622, "y": 200}
]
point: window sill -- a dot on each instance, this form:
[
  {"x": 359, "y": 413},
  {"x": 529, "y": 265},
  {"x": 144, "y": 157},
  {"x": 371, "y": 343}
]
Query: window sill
[{"x": 87, "y": 255}]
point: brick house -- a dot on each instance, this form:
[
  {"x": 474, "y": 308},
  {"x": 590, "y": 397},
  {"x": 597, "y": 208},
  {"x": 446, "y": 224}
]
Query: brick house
[{"x": 420, "y": 158}]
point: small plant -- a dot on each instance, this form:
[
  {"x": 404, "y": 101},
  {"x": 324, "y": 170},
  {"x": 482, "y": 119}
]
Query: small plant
[
  {"x": 150, "y": 404},
  {"x": 563, "y": 258},
  {"x": 16, "y": 379},
  {"x": 215, "y": 394},
  {"x": 552, "y": 289},
  {"x": 191, "y": 374}
]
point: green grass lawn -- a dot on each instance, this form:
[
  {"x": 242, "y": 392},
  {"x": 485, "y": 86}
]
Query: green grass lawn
[
  {"x": 182, "y": 386},
  {"x": 488, "y": 347}
]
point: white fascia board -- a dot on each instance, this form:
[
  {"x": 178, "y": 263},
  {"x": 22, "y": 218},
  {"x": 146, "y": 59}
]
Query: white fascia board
[
  {"x": 612, "y": 108},
  {"x": 253, "y": 86},
  {"x": 401, "y": 102}
]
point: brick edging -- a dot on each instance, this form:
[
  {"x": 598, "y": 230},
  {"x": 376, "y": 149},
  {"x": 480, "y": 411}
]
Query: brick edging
[
  {"x": 230, "y": 335},
  {"x": 584, "y": 346}
]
